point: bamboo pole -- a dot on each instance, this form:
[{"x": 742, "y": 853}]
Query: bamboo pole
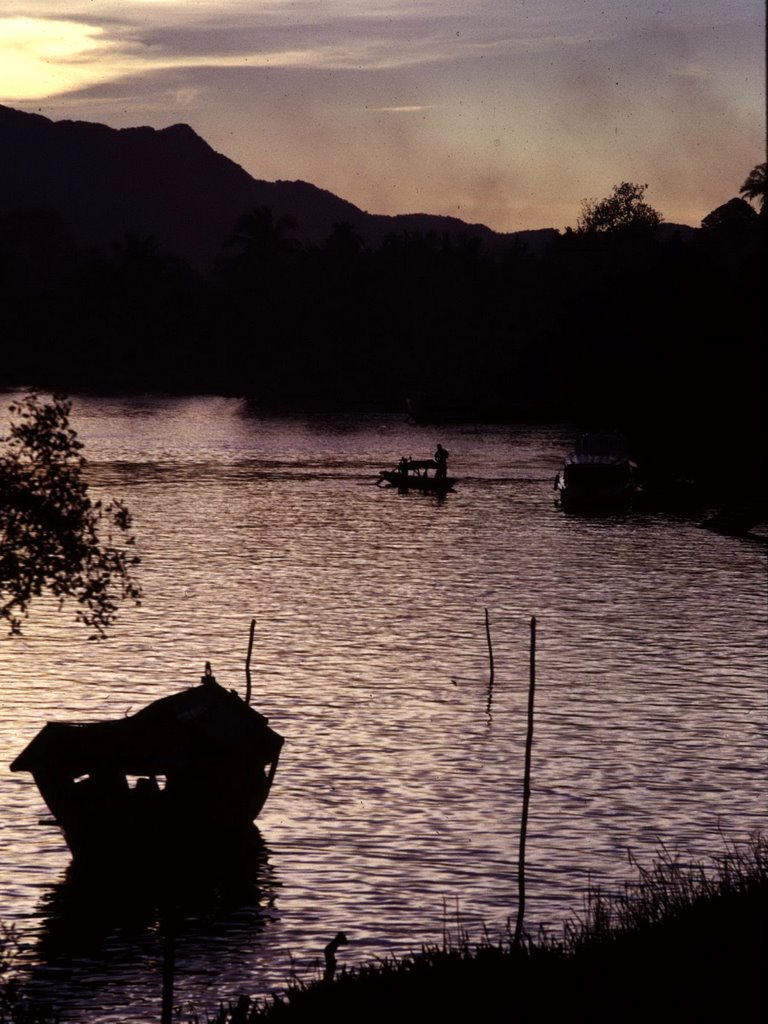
[
  {"x": 490, "y": 648},
  {"x": 526, "y": 788},
  {"x": 490, "y": 657},
  {"x": 248, "y": 664}
]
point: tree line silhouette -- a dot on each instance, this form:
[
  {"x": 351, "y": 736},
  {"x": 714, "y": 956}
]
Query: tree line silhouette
[{"x": 616, "y": 321}]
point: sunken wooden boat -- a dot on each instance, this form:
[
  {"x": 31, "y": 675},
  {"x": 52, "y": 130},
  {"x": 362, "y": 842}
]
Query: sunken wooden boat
[{"x": 191, "y": 769}]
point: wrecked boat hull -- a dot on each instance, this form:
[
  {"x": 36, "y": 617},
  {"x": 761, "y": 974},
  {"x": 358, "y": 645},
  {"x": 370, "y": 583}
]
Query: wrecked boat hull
[{"x": 189, "y": 771}]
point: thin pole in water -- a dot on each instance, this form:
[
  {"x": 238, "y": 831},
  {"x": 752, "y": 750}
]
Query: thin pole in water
[
  {"x": 526, "y": 788},
  {"x": 490, "y": 648},
  {"x": 490, "y": 657},
  {"x": 248, "y": 664}
]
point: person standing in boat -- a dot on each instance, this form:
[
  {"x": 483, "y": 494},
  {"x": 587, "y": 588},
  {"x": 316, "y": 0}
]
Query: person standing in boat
[{"x": 441, "y": 458}]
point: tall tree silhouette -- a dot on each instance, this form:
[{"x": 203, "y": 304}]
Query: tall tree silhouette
[
  {"x": 53, "y": 537},
  {"x": 756, "y": 186},
  {"x": 734, "y": 224},
  {"x": 623, "y": 210},
  {"x": 259, "y": 238}
]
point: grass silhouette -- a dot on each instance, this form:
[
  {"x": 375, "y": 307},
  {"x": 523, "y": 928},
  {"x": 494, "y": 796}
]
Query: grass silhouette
[{"x": 681, "y": 942}]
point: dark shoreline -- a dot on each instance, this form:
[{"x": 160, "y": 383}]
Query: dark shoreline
[
  {"x": 683, "y": 942},
  {"x": 679, "y": 944},
  {"x": 684, "y": 476}
]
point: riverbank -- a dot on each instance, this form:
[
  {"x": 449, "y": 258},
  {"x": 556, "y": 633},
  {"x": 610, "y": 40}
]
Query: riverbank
[{"x": 680, "y": 943}]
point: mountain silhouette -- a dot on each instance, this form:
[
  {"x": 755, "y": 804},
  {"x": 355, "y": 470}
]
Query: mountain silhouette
[{"x": 170, "y": 185}]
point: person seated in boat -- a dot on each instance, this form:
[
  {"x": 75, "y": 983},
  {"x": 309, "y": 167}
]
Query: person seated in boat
[
  {"x": 441, "y": 458},
  {"x": 404, "y": 465}
]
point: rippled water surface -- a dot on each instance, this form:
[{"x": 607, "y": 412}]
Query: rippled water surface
[{"x": 397, "y": 801}]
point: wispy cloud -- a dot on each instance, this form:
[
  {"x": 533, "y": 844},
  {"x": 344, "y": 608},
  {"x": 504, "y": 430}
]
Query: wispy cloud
[
  {"x": 414, "y": 109},
  {"x": 45, "y": 50},
  {"x": 42, "y": 57}
]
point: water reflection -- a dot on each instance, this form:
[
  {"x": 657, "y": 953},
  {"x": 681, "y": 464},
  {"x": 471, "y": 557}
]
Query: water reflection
[{"x": 101, "y": 937}]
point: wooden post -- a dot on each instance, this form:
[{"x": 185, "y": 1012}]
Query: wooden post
[
  {"x": 490, "y": 656},
  {"x": 526, "y": 788},
  {"x": 248, "y": 664},
  {"x": 490, "y": 648}
]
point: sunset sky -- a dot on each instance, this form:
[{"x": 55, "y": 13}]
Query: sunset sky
[{"x": 504, "y": 112}]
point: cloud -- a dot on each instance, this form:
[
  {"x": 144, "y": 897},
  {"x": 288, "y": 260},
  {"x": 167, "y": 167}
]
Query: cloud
[
  {"x": 49, "y": 52},
  {"x": 414, "y": 109},
  {"x": 44, "y": 57}
]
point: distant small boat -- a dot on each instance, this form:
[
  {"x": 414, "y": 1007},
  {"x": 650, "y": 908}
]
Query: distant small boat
[
  {"x": 191, "y": 768},
  {"x": 416, "y": 474},
  {"x": 598, "y": 475}
]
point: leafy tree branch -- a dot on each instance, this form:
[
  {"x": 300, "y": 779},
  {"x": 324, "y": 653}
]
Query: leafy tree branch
[
  {"x": 53, "y": 537},
  {"x": 624, "y": 210},
  {"x": 755, "y": 186}
]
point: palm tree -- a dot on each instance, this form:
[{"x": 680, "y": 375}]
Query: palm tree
[
  {"x": 261, "y": 237},
  {"x": 756, "y": 185}
]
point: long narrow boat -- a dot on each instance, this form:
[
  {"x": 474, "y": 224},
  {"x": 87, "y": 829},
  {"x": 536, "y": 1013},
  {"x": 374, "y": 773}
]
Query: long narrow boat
[
  {"x": 418, "y": 475},
  {"x": 193, "y": 767}
]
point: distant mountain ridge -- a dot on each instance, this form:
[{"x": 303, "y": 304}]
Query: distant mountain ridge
[{"x": 170, "y": 184}]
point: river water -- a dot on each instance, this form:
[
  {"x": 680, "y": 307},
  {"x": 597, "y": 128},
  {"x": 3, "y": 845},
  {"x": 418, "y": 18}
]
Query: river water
[{"x": 396, "y": 807}]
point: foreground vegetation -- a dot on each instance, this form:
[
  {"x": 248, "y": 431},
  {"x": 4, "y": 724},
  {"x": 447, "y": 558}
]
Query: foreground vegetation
[{"x": 680, "y": 943}]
